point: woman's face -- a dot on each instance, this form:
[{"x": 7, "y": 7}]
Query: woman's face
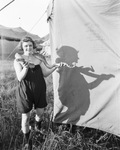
[{"x": 27, "y": 47}]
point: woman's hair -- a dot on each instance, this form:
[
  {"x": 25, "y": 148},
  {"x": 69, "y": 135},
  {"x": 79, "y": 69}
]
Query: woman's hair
[{"x": 27, "y": 39}]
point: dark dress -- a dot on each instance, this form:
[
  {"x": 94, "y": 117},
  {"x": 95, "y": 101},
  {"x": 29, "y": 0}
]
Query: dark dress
[{"x": 31, "y": 91}]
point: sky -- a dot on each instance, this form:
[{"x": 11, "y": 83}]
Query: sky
[{"x": 28, "y": 14}]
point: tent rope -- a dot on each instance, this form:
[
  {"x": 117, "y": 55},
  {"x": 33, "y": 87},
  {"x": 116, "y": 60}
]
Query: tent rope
[
  {"x": 38, "y": 21},
  {"x": 6, "y": 5}
]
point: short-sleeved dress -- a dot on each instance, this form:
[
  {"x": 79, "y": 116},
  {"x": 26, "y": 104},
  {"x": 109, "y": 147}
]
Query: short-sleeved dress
[{"x": 31, "y": 91}]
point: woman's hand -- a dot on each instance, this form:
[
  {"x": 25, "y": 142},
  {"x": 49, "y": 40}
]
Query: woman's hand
[
  {"x": 28, "y": 65},
  {"x": 58, "y": 65},
  {"x": 62, "y": 64},
  {"x": 25, "y": 65}
]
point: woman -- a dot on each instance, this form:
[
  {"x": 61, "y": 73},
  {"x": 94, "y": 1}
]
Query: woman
[{"x": 31, "y": 91}]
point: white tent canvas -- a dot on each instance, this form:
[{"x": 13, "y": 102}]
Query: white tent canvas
[{"x": 85, "y": 35}]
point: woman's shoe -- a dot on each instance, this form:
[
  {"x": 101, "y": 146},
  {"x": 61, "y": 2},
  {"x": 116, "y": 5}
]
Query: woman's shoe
[{"x": 27, "y": 141}]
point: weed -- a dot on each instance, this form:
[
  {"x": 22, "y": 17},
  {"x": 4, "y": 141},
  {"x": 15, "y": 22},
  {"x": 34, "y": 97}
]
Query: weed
[{"x": 56, "y": 136}]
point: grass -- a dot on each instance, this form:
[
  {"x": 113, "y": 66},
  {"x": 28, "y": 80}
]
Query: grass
[{"x": 56, "y": 136}]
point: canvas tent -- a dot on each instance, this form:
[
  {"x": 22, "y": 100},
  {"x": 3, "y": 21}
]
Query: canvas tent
[
  {"x": 85, "y": 35},
  {"x": 10, "y": 37}
]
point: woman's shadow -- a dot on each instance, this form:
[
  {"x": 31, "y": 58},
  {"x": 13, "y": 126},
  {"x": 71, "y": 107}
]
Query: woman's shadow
[{"x": 73, "y": 90}]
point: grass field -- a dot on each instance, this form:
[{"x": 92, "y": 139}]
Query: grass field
[{"x": 57, "y": 136}]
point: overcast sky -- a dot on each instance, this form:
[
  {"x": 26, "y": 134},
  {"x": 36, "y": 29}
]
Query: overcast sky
[{"x": 26, "y": 14}]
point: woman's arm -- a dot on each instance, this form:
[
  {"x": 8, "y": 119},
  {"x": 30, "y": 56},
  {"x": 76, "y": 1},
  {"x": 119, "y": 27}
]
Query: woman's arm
[
  {"x": 47, "y": 71},
  {"x": 21, "y": 70}
]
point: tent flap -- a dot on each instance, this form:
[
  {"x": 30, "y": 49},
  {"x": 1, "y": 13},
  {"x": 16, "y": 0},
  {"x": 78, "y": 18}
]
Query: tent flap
[{"x": 85, "y": 36}]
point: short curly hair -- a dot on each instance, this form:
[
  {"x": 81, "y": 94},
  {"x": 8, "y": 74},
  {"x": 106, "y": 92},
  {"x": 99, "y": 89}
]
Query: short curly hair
[{"x": 26, "y": 39}]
